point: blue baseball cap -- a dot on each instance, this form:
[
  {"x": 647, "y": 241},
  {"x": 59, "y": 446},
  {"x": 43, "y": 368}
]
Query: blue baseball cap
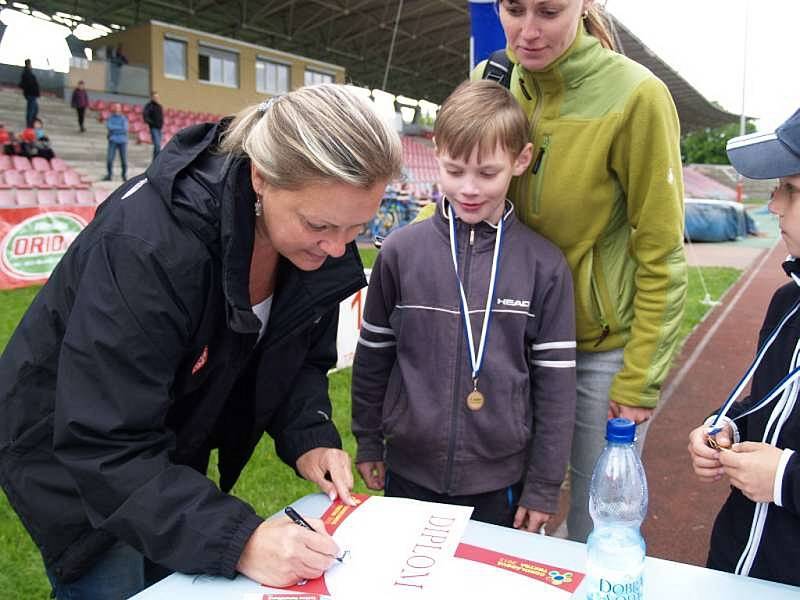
[{"x": 768, "y": 155}]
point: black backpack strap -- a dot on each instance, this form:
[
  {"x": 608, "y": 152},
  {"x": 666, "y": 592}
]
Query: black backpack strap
[{"x": 498, "y": 68}]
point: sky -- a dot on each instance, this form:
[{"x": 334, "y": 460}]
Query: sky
[{"x": 704, "y": 41}]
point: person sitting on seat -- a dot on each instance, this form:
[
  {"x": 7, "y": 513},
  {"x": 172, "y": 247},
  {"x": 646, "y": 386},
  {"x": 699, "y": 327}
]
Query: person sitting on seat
[{"x": 6, "y": 140}]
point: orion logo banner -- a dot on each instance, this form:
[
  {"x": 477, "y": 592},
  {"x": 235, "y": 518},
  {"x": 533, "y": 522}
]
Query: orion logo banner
[{"x": 32, "y": 249}]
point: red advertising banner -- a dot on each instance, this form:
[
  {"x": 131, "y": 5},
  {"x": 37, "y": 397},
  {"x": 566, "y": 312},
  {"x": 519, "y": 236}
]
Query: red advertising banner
[{"x": 33, "y": 240}]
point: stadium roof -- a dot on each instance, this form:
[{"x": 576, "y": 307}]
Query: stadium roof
[{"x": 430, "y": 55}]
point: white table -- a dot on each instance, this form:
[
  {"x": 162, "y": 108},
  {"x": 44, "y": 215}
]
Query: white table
[{"x": 664, "y": 579}]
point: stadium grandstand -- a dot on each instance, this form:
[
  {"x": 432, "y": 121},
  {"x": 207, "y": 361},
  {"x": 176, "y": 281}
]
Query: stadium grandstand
[{"x": 204, "y": 68}]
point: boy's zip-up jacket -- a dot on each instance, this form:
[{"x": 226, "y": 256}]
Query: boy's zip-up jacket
[
  {"x": 412, "y": 371},
  {"x": 605, "y": 185},
  {"x": 777, "y": 554},
  {"x": 140, "y": 355}
]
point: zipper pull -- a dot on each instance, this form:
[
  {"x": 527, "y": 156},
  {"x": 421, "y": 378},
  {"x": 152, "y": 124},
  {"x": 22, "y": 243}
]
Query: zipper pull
[
  {"x": 538, "y": 162},
  {"x": 524, "y": 89},
  {"x": 471, "y": 236},
  {"x": 603, "y": 335}
]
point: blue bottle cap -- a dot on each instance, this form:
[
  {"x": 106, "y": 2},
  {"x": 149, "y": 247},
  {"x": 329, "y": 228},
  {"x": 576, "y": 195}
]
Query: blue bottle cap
[{"x": 620, "y": 431}]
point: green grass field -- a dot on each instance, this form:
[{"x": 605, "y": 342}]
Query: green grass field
[{"x": 266, "y": 483}]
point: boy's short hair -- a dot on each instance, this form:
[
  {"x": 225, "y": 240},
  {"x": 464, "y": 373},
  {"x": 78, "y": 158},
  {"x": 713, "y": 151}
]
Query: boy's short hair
[{"x": 480, "y": 114}]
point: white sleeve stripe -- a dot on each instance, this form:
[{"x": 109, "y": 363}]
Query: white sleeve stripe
[
  {"x": 376, "y": 329},
  {"x": 420, "y": 307},
  {"x": 777, "y": 484},
  {"x": 135, "y": 187},
  {"x": 556, "y": 364},
  {"x": 364, "y": 342},
  {"x": 553, "y": 346},
  {"x": 512, "y": 312}
]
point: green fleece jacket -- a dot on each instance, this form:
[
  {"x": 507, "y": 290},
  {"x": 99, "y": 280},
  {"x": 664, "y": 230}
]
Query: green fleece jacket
[{"x": 606, "y": 187}]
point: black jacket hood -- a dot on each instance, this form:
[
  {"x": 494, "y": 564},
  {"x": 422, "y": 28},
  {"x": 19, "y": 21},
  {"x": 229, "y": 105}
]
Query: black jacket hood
[{"x": 210, "y": 192}]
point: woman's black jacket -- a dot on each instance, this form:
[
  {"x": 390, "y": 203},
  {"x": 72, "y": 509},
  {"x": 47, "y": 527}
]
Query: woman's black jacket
[{"x": 139, "y": 356}]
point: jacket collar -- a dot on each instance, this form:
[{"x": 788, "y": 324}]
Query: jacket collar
[
  {"x": 571, "y": 67},
  {"x": 485, "y": 232},
  {"x": 791, "y": 266}
]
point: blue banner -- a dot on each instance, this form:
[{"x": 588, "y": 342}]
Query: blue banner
[{"x": 487, "y": 34}]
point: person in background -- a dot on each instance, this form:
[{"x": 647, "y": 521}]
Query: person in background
[
  {"x": 153, "y": 115},
  {"x": 757, "y": 530},
  {"x": 195, "y": 313},
  {"x": 436, "y": 193},
  {"x": 30, "y": 90},
  {"x": 79, "y": 101},
  {"x": 117, "y": 127},
  {"x": 605, "y": 185},
  {"x": 41, "y": 143},
  {"x": 483, "y": 419},
  {"x": 6, "y": 140},
  {"x": 115, "y": 64}
]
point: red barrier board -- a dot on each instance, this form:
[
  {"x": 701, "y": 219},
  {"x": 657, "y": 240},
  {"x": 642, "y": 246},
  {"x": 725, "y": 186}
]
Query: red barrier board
[{"x": 33, "y": 240}]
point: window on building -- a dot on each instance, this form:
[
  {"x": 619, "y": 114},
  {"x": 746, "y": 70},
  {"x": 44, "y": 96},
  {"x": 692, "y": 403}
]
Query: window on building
[
  {"x": 271, "y": 77},
  {"x": 218, "y": 66},
  {"x": 314, "y": 77},
  {"x": 174, "y": 58}
]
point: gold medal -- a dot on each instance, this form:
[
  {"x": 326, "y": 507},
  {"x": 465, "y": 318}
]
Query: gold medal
[{"x": 475, "y": 400}]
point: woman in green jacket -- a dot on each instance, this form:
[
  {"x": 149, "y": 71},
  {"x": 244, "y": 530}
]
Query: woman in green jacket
[{"x": 606, "y": 187}]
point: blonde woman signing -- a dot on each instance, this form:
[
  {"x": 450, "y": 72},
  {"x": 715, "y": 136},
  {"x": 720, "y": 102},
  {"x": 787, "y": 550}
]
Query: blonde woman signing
[
  {"x": 197, "y": 311},
  {"x": 605, "y": 186}
]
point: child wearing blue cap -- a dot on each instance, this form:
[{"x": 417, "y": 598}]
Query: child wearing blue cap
[{"x": 753, "y": 442}]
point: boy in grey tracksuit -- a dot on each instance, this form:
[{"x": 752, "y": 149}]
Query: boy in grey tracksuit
[{"x": 481, "y": 417}]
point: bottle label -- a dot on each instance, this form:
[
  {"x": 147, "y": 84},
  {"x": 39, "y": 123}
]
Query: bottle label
[{"x": 615, "y": 589}]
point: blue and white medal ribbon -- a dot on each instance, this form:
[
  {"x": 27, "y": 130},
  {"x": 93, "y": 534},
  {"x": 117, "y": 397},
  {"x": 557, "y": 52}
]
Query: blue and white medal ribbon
[
  {"x": 774, "y": 393},
  {"x": 475, "y": 398}
]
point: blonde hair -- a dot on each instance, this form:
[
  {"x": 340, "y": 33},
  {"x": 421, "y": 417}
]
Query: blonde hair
[
  {"x": 600, "y": 26},
  {"x": 480, "y": 114},
  {"x": 316, "y": 133}
]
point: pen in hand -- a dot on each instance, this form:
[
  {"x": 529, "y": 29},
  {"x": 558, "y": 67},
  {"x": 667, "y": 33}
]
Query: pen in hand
[{"x": 297, "y": 519}]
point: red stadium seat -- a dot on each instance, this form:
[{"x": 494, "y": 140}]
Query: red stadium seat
[
  {"x": 5, "y": 162},
  {"x": 47, "y": 197},
  {"x": 21, "y": 163},
  {"x": 55, "y": 179},
  {"x": 72, "y": 179},
  {"x": 40, "y": 164},
  {"x": 8, "y": 198},
  {"x": 84, "y": 196},
  {"x": 98, "y": 105},
  {"x": 143, "y": 137},
  {"x": 58, "y": 164},
  {"x": 15, "y": 179},
  {"x": 26, "y": 197},
  {"x": 65, "y": 196},
  {"x": 34, "y": 179},
  {"x": 100, "y": 195}
]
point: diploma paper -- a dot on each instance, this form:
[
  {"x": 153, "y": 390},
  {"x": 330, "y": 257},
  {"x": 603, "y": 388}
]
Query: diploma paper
[{"x": 396, "y": 548}]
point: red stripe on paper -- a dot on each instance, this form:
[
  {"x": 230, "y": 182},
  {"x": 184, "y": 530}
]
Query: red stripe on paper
[{"x": 554, "y": 576}]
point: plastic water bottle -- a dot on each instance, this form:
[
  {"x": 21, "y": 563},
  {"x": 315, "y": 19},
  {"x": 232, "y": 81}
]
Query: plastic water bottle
[{"x": 618, "y": 505}]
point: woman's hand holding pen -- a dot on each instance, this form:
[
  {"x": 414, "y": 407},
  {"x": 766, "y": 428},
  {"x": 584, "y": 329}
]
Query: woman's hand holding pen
[{"x": 279, "y": 553}]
